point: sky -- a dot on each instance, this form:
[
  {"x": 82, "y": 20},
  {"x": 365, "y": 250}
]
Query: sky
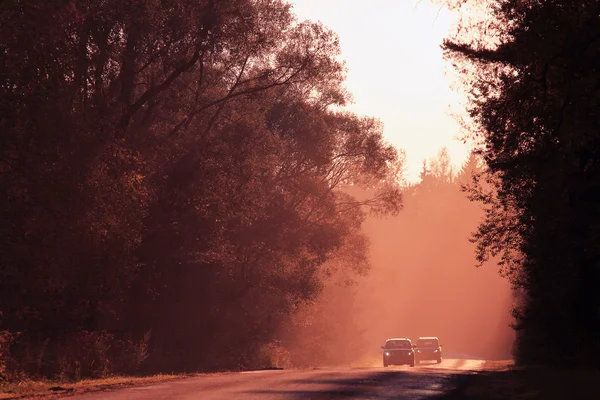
[{"x": 396, "y": 71}]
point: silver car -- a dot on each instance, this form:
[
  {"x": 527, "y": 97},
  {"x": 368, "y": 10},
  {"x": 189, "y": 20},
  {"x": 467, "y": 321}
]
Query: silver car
[{"x": 428, "y": 348}]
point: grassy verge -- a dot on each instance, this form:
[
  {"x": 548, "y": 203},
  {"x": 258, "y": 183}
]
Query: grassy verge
[
  {"x": 54, "y": 389},
  {"x": 527, "y": 383}
]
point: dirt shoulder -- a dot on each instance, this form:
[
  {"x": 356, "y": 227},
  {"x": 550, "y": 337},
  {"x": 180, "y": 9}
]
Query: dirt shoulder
[
  {"x": 54, "y": 389},
  {"x": 497, "y": 381}
]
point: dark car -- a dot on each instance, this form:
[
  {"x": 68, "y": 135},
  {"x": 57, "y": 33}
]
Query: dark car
[
  {"x": 428, "y": 348},
  {"x": 398, "y": 351}
]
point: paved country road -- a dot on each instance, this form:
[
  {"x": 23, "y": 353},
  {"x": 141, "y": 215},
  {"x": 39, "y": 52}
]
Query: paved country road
[{"x": 421, "y": 382}]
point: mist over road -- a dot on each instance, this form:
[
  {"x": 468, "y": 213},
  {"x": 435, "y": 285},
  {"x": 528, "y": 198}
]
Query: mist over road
[{"x": 421, "y": 382}]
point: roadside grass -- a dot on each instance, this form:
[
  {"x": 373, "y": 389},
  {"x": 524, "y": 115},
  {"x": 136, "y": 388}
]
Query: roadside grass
[
  {"x": 54, "y": 389},
  {"x": 521, "y": 383}
]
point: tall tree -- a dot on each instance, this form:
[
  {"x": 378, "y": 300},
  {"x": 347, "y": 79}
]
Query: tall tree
[
  {"x": 173, "y": 173},
  {"x": 441, "y": 167},
  {"x": 534, "y": 98}
]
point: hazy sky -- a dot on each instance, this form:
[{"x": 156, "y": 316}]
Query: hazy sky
[{"x": 396, "y": 71}]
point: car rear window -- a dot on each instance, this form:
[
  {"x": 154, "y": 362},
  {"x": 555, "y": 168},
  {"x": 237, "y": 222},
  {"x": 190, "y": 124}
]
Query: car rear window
[
  {"x": 427, "y": 343},
  {"x": 398, "y": 344}
]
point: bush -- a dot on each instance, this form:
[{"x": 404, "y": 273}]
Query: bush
[
  {"x": 274, "y": 355},
  {"x": 85, "y": 354},
  {"x": 5, "y": 341},
  {"x": 77, "y": 356},
  {"x": 128, "y": 355}
]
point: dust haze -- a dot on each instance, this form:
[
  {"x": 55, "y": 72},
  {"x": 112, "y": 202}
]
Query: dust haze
[{"x": 423, "y": 282}]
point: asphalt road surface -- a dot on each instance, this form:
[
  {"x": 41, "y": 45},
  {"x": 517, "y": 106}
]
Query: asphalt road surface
[{"x": 425, "y": 381}]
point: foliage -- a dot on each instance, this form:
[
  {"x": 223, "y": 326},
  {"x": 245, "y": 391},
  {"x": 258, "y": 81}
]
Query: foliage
[
  {"x": 171, "y": 167},
  {"x": 5, "y": 341},
  {"x": 533, "y": 97}
]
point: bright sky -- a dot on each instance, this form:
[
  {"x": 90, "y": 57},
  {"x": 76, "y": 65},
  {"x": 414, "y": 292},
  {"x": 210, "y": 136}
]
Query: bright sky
[{"x": 396, "y": 71}]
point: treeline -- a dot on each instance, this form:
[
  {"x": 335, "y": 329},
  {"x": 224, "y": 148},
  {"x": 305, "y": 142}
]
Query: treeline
[
  {"x": 170, "y": 175},
  {"x": 532, "y": 75}
]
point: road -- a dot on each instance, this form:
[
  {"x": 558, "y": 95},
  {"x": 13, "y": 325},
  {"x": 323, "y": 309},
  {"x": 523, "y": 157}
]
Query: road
[{"x": 421, "y": 382}]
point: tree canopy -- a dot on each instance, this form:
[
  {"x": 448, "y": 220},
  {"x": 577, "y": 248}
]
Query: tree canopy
[
  {"x": 173, "y": 173},
  {"x": 532, "y": 79}
]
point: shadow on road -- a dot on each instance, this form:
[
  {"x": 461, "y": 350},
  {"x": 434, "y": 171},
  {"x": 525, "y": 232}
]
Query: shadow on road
[
  {"x": 530, "y": 383},
  {"x": 373, "y": 385}
]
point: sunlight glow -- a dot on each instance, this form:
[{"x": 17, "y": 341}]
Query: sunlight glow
[{"x": 396, "y": 71}]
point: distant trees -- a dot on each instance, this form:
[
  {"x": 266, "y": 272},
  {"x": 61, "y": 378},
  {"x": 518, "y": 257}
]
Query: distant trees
[
  {"x": 532, "y": 78},
  {"x": 172, "y": 173},
  {"x": 436, "y": 172}
]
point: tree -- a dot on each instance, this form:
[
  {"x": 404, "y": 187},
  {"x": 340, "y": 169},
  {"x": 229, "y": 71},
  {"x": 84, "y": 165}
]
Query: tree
[
  {"x": 533, "y": 98},
  {"x": 441, "y": 167},
  {"x": 173, "y": 172},
  {"x": 470, "y": 169}
]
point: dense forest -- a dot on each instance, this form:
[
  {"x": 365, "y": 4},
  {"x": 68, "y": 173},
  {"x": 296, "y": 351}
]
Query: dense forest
[
  {"x": 532, "y": 78},
  {"x": 173, "y": 178}
]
